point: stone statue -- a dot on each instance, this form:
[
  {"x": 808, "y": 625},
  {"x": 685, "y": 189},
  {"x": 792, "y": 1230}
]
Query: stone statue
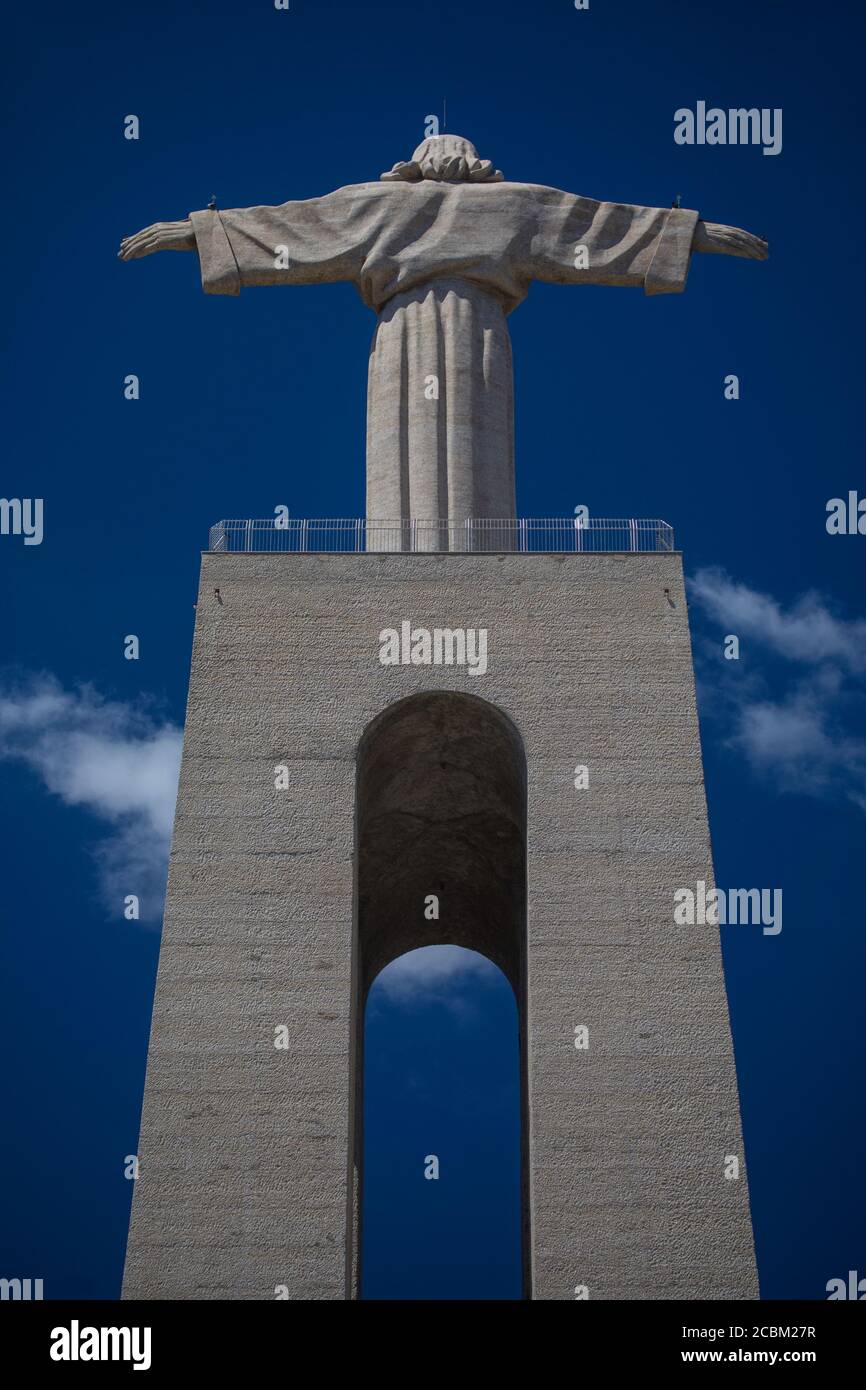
[{"x": 442, "y": 248}]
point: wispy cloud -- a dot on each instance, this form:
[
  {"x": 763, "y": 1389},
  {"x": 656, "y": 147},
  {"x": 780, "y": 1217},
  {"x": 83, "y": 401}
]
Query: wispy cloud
[
  {"x": 112, "y": 759},
  {"x": 807, "y": 633},
  {"x": 796, "y": 736},
  {"x": 435, "y": 974}
]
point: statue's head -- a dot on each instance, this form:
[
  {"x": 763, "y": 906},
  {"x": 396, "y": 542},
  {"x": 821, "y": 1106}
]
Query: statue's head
[{"x": 448, "y": 159}]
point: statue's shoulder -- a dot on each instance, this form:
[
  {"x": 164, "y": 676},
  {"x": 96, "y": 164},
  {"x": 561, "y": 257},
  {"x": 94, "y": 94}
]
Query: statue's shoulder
[
  {"x": 542, "y": 191},
  {"x": 439, "y": 191},
  {"x": 535, "y": 193},
  {"x": 362, "y": 188}
]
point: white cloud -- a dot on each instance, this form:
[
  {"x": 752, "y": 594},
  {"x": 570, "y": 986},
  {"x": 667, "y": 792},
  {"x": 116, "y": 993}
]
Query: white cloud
[
  {"x": 797, "y": 740},
  {"x": 808, "y": 632},
  {"x": 796, "y": 737},
  {"x": 434, "y": 973},
  {"x": 113, "y": 760}
]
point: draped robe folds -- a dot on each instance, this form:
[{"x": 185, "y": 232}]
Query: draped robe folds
[{"x": 442, "y": 264}]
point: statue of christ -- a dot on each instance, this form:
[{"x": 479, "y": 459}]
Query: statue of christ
[{"x": 442, "y": 248}]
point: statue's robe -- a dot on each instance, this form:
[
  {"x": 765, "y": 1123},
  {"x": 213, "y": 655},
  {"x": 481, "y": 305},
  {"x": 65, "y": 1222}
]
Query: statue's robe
[{"x": 442, "y": 264}]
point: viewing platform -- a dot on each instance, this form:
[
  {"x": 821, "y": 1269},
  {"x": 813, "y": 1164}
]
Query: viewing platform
[{"x": 598, "y": 535}]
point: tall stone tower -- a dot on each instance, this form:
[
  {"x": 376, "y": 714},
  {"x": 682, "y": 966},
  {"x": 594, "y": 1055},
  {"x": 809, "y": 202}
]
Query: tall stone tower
[{"x": 501, "y": 713}]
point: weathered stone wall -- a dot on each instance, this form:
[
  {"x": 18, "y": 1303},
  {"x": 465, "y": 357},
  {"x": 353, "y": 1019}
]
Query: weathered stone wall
[{"x": 245, "y": 1148}]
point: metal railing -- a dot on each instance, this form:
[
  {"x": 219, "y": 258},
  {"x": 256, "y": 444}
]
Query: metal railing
[{"x": 474, "y": 535}]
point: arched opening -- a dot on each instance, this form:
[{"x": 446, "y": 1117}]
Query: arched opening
[
  {"x": 441, "y": 1197},
  {"x": 440, "y": 860}
]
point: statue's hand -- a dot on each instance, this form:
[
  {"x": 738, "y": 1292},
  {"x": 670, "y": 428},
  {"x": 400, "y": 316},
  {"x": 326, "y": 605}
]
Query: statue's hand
[
  {"x": 162, "y": 236},
  {"x": 728, "y": 241}
]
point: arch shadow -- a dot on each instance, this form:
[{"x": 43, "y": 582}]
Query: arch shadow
[{"x": 440, "y": 811}]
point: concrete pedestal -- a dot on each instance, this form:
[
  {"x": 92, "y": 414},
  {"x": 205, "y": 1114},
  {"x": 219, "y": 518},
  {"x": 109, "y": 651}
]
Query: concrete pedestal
[{"x": 247, "y": 1174}]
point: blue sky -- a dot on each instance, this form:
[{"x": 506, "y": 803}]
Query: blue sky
[{"x": 250, "y": 403}]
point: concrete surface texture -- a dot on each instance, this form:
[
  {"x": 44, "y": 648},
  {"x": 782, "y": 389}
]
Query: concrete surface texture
[{"x": 250, "y": 1153}]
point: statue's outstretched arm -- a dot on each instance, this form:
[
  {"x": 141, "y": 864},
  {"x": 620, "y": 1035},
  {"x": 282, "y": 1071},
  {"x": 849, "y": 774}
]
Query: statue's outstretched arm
[
  {"x": 728, "y": 241},
  {"x": 162, "y": 236},
  {"x": 302, "y": 242}
]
